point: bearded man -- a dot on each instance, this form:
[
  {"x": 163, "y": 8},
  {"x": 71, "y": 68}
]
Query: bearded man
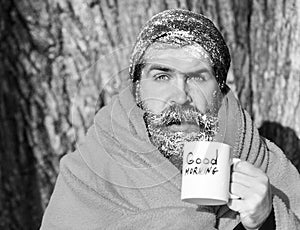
[{"x": 127, "y": 174}]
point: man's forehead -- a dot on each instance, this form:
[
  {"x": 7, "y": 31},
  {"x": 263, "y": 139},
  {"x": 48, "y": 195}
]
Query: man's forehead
[{"x": 187, "y": 57}]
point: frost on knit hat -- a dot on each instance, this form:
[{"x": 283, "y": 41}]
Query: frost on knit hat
[{"x": 182, "y": 27}]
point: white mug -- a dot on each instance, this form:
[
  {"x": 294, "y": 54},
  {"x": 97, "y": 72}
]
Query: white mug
[{"x": 206, "y": 173}]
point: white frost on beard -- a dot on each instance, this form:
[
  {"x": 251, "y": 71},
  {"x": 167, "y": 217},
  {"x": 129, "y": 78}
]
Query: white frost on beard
[{"x": 169, "y": 143}]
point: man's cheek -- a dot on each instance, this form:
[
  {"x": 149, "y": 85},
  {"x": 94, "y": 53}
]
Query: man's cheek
[
  {"x": 155, "y": 105},
  {"x": 200, "y": 103}
]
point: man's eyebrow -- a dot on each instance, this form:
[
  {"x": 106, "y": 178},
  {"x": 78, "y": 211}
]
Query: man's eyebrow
[
  {"x": 171, "y": 70},
  {"x": 160, "y": 68},
  {"x": 202, "y": 70}
]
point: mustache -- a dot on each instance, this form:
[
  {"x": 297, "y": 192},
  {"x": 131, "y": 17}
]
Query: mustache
[{"x": 178, "y": 114}]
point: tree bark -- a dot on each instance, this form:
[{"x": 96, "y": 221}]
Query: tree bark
[
  {"x": 275, "y": 55},
  {"x": 60, "y": 61},
  {"x": 39, "y": 121}
]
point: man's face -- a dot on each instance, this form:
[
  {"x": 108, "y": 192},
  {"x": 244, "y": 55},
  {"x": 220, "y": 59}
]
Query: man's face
[
  {"x": 178, "y": 76},
  {"x": 181, "y": 97}
]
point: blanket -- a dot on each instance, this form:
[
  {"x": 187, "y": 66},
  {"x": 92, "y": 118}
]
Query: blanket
[{"x": 117, "y": 179}]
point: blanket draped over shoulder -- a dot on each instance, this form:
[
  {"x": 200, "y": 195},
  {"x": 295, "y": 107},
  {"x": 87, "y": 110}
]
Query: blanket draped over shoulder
[{"x": 117, "y": 179}]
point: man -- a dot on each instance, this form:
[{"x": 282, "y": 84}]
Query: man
[{"x": 127, "y": 174}]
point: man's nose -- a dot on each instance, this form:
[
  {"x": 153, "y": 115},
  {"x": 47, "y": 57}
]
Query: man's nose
[{"x": 180, "y": 92}]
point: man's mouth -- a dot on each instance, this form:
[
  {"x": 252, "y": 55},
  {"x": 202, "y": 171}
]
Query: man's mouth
[{"x": 183, "y": 127}]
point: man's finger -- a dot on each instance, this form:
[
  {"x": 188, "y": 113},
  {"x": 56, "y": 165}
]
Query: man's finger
[
  {"x": 236, "y": 205},
  {"x": 240, "y": 190},
  {"x": 247, "y": 168},
  {"x": 243, "y": 179}
]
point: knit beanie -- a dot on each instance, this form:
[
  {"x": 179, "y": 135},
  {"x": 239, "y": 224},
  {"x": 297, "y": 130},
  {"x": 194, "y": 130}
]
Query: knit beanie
[{"x": 182, "y": 27}]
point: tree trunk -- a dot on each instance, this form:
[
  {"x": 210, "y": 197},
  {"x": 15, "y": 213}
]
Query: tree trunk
[
  {"x": 39, "y": 122},
  {"x": 60, "y": 61},
  {"x": 275, "y": 69}
]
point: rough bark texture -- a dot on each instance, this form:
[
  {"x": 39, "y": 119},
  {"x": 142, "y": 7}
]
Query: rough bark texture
[{"x": 57, "y": 57}]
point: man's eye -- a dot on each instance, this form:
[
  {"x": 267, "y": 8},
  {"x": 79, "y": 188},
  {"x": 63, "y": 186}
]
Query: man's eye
[
  {"x": 162, "y": 77},
  {"x": 198, "y": 77}
]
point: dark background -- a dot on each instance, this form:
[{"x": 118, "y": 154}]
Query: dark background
[{"x": 57, "y": 57}]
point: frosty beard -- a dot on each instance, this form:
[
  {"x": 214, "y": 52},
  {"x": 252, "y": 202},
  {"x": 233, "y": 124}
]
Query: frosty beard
[{"x": 170, "y": 143}]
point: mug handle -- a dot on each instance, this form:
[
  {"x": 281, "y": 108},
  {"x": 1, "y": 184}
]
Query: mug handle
[{"x": 232, "y": 196}]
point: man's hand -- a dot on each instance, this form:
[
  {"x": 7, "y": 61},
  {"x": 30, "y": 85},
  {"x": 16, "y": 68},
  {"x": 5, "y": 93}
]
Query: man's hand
[{"x": 253, "y": 186}]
